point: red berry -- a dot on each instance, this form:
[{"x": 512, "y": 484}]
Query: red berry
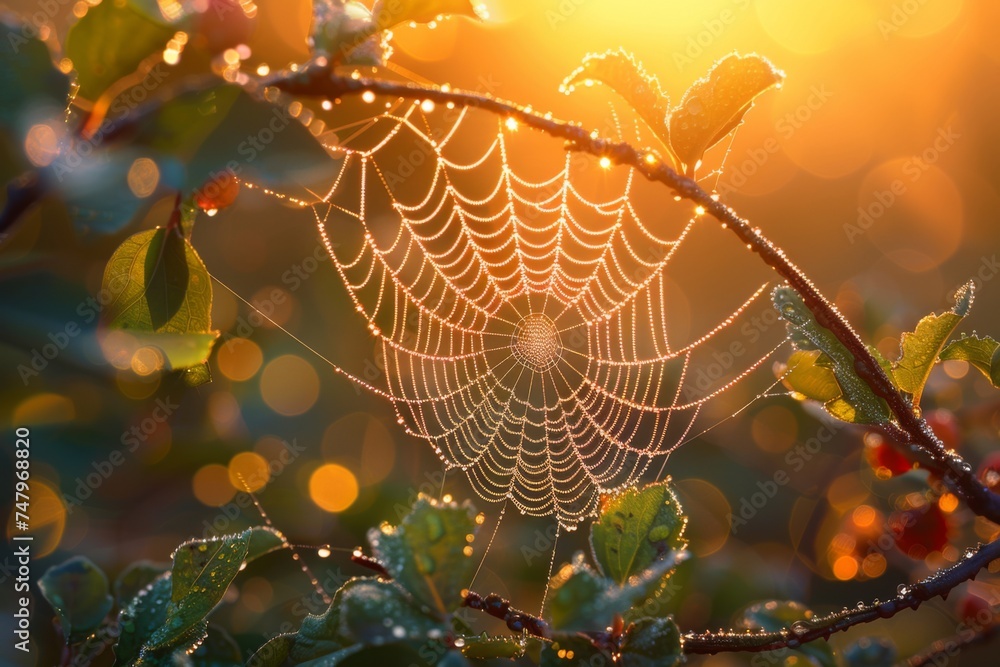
[
  {"x": 218, "y": 192},
  {"x": 919, "y": 531},
  {"x": 884, "y": 458},
  {"x": 975, "y": 611},
  {"x": 989, "y": 472},
  {"x": 945, "y": 427},
  {"x": 223, "y": 25}
]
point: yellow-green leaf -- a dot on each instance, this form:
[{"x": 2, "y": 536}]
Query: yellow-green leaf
[
  {"x": 621, "y": 72},
  {"x": 920, "y": 349},
  {"x": 715, "y": 104},
  {"x": 857, "y": 402},
  {"x": 808, "y": 374},
  {"x": 983, "y": 354},
  {"x": 161, "y": 299}
]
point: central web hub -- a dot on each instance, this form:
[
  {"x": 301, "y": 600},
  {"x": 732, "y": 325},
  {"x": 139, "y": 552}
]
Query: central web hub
[{"x": 536, "y": 343}]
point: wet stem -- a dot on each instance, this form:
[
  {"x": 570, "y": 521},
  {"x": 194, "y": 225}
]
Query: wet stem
[{"x": 908, "y": 429}]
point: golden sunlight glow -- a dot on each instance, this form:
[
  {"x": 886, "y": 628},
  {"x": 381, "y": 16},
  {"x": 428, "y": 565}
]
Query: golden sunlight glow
[
  {"x": 333, "y": 487},
  {"x": 605, "y": 162},
  {"x": 248, "y": 471}
]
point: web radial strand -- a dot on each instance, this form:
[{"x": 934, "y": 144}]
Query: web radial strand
[{"x": 523, "y": 323}]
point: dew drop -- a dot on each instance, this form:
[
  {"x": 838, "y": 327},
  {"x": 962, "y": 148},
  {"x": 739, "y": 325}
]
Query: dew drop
[{"x": 459, "y": 642}]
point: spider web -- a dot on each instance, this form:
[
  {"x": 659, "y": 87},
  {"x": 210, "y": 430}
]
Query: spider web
[{"x": 523, "y": 326}]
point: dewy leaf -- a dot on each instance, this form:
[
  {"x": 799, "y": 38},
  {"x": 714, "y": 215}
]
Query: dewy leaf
[
  {"x": 983, "y": 354},
  {"x": 429, "y": 553},
  {"x": 161, "y": 298},
  {"x": 30, "y": 85},
  {"x": 582, "y": 600},
  {"x": 201, "y": 574},
  {"x": 919, "y": 349},
  {"x": 140, "y": 618},
  {"x": 136, "y": 577},
  {"x": 78, "y": 591},
  {"x": 225, "y": 128},
  {"x": 868, "y": 408},
  {"x": 776, "y": 615},
  {"x": 715, "y": 104},
  {"x": 637, "y": 527},
  {"x": 390, "y": 13},
  {"x": 621, "y": 72},
  {"x": 378, "y": 612},
  {"x": 651, "y": 642},
  {"x": 809, "y": 374},
  {"x": 110, "y": 41}
]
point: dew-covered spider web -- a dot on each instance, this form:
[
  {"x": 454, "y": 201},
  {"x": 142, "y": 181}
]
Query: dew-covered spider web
[{"x": 523, "y": 319}]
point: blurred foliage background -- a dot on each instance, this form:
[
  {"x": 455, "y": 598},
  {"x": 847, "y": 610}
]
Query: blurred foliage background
[{"x": 882, "y": 98}]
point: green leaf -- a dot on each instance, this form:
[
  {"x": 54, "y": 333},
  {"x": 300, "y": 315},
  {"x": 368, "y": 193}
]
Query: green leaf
[
  {"x": 867, "y": 407},
  {"x": 378, "y": 612},
  {"x": 225, "y": 128},
  {"x": 652, "y": 642},
  {"x": 136, "y": 577},
  {"x": 983, "y": 354},
  {"x": 78, "y": 591},
  {"x": 161, "y": 297},
  {"x": 919, "y": 349},
  {"x": 169, "y": 614},
  {"x": 571, "y": 650},
  {"x": 140, "y": 618},
  {"x": 637, "y": 527},
  {"x": 390, "y": 13},
  {"x": 110, "y": 42},
  {"x": 429, "y": 553},
  {"x": 621, "y": 72},
  {"x": 485, "y": 647},
  {"x": 201, "y": 574},
  {"x": 775, "y": 616},
  {"x": 30, "y": 85},
  {"x": 871, "y": 652},
  {"x": 715, "y": 105},
  {"x": 583, "y": 600}
]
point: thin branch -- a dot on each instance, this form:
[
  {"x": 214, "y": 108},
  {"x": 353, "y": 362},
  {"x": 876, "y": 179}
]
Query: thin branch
[
  {"x": 492, "y": 604},
  {"x": 937, "y": 585}
]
